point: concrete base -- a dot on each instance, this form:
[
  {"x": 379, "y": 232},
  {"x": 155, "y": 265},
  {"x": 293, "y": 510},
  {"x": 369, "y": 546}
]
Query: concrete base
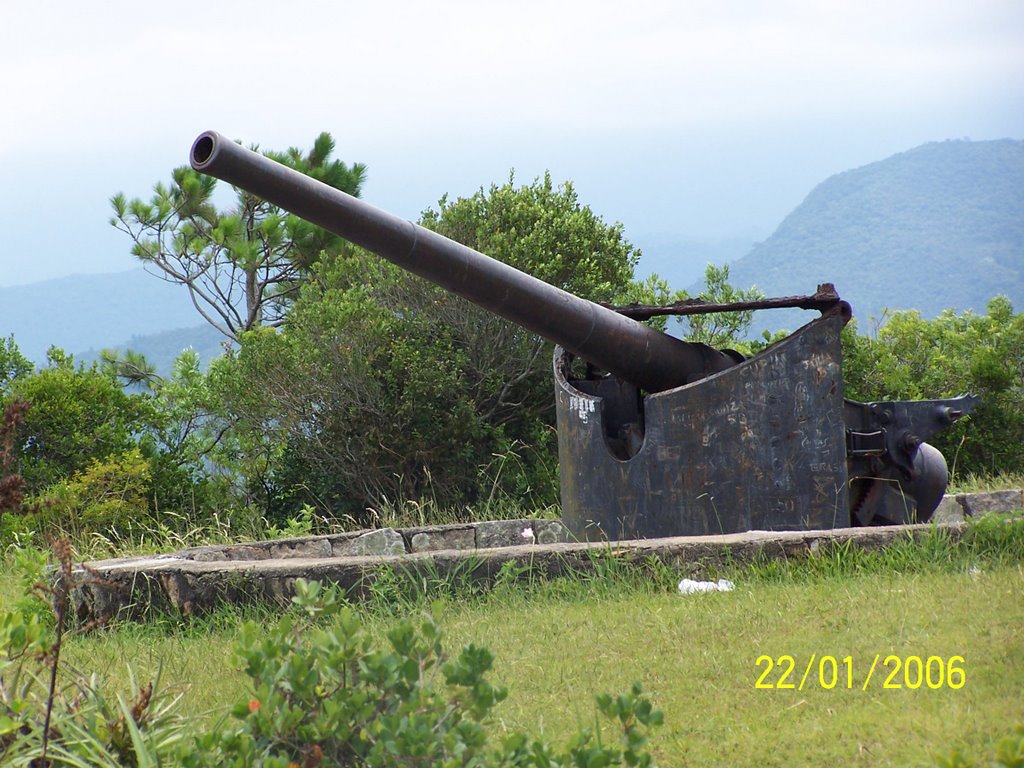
[
  {"x": 134, "y": 588},
  {"x": 199, "y": 580}
]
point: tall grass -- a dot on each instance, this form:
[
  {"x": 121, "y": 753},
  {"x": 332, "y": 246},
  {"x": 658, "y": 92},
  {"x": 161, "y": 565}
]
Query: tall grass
[
  {"x": 993, "y": 540},
  {"x": 979, "y": 483}
]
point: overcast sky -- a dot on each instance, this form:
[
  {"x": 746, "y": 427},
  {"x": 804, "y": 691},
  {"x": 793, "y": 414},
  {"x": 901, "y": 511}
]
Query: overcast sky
[{"x": 708, "y": 119}]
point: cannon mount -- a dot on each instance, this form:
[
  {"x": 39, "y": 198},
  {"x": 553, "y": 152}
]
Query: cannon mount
[{"x": 659, "y": 436}]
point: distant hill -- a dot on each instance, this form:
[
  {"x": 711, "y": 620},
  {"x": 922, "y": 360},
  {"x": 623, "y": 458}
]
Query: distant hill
[
  {"x": 162, "y": 348},
  {"x": 85, "y": 312},
  {"x": 682, "y": 260},
  {"x": 940, "y": 226}
]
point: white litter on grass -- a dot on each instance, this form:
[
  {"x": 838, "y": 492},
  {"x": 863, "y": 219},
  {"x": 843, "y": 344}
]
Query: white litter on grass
[{"x": 689, "y": 586}]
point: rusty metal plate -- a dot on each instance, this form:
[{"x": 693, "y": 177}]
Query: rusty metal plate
[{"x": 760, "y": 446}]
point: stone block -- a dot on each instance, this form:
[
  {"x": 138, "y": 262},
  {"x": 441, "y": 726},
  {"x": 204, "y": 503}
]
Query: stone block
[
  {"x": 949, "y": 511},
  {"x": 288, "y": 548},
  {"x": 385, "y": 541},
  {"x": 504, "y": 533},
  {"x": 255, "y": 551},
  {"x": 438, "y": 539},
  {"x": 991, "y": 501},
  {"x": 551, "y": 532}
]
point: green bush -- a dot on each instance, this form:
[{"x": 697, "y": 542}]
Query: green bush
[
  {"x": 913, "y": 358},
  {"x": 106, "y": 496},
  {"x": 381, "y": 388},
  {"x": 322, "y": 694},
  {"x": 1009, "y": 753},
  {"x": 76, "y": 415}
]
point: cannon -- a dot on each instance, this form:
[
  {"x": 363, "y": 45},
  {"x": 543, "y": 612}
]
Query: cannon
[{"x": 658, "y": 436}]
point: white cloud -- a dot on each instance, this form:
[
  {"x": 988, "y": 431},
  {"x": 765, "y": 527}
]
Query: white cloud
[
  {"x": 388, "y": 69},
  {"x": 694, "y": 114}
]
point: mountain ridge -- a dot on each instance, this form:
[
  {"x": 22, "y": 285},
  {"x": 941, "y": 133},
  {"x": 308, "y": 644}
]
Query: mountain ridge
[
  {"x": 84, "y": 311},
  {"x": 940, "y": 226}
]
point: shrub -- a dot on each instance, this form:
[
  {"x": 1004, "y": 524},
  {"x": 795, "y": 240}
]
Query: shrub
[
  {"x": 76, "y": 415},
  {"x": 1009, "y": 753},
  {"x": 108, "y": 495},
  {"x": 914, "y": 358},
  {"x": 322, "y": 694}
]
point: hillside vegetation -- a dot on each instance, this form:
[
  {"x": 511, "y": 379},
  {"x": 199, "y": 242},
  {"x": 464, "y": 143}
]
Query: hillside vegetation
[{"x": 937, "y": 227}]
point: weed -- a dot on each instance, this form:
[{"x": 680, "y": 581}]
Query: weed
[
  {"x": 42, "y": 724},
  {"x": 391, "y": 589},
  {"x": 513, "y": 577},
  {"x": 300, "y": 525}
]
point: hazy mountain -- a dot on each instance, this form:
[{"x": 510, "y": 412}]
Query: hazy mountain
[
  {"x": 84, "y": 312},
  {"x": 162, "y": 348},
  {"x": 682, "y": 260},
  {"x": 940, "y": 226}
]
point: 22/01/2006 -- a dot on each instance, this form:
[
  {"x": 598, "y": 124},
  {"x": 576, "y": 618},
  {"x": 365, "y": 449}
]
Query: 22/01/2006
[{"x": 829, "y": 672}]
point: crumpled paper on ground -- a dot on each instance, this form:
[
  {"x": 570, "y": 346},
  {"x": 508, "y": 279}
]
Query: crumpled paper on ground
[{"x": 689, "y": 586}]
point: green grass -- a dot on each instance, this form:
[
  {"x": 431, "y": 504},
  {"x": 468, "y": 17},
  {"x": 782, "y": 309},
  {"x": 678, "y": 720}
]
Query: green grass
[
  {"x": 974, "y": 483},
  {"x": 558, "y": 644},
  {"x": 696, "y": 657}
]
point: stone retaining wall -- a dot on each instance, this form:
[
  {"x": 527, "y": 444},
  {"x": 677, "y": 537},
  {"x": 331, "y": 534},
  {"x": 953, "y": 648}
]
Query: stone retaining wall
[
  {"x": 378, "y": 542},
  {"x": 954, "y": 508},
  {"x": 198, "y": 580}
]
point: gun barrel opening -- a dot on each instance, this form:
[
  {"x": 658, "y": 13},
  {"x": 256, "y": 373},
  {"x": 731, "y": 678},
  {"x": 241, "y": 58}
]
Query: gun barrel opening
[{"x": 202, "y": 150}]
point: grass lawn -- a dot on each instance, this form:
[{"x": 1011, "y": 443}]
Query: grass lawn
[
  {"x": 560, "y": 644},
  {"x": 696, "y": 657}
]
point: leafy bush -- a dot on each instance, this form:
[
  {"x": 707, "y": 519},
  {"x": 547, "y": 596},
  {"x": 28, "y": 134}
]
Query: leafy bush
[
  {"x": 13, "y": 364},
  {"x": 382, "y": 388},
  {"x": 81, "y": 453},
  {"x": 77, "y": 415},
  {"x": 322, "y": 694},
  {"x": 1009, "y": 753},
  {"x": 106, "y": 496}
]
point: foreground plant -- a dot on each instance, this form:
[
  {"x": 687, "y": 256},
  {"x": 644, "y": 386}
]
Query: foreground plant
[
  {"x": 77, "y": 724},
  {"x": 324, "y": 695},
  {"x": 1009, "y": 753}
]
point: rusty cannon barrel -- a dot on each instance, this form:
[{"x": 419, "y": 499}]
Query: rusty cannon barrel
[{"x": 619, "y": 345}]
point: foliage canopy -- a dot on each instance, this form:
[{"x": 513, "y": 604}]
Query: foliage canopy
[
  {"x": 242, "y": 266},
  {"x": 387, "y": 388}
]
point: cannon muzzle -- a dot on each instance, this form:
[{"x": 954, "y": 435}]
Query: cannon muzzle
[{"x": 609, "y": 341}]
